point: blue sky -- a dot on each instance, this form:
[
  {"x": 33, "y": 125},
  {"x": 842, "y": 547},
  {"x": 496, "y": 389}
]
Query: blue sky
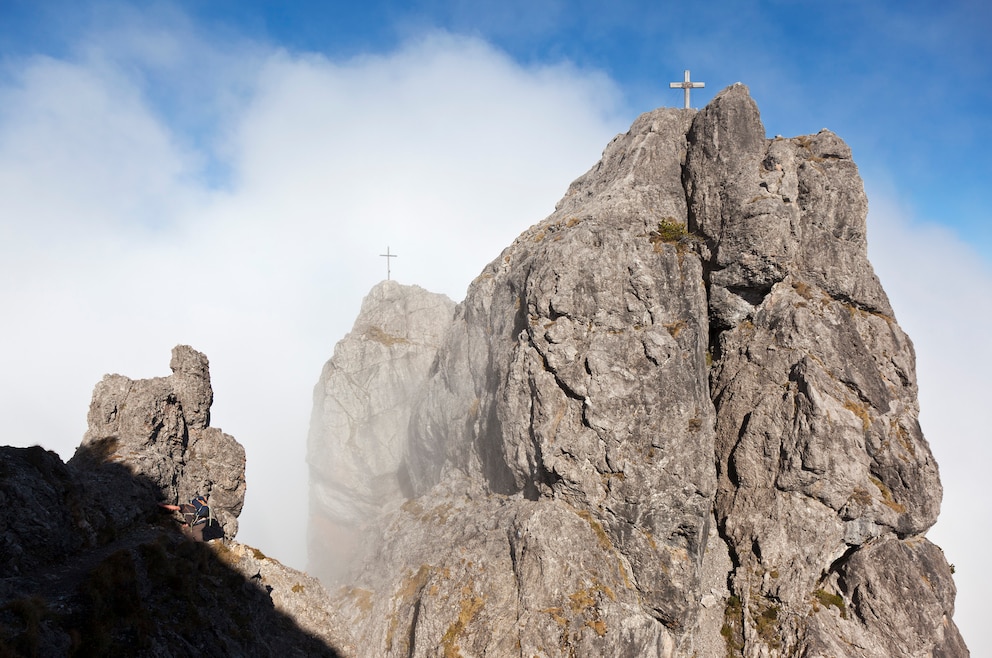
[
  {"x": 906, "y": 84},
  {"x": 225, "y": 174}
]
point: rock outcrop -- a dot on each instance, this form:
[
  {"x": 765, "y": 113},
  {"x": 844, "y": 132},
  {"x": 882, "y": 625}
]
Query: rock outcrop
[
  {"x": 361, "y": 412},
  {"x": 160, "y": 428},
  {"x": 93, "y": 566},
  {"x": 675, "y": 418}
]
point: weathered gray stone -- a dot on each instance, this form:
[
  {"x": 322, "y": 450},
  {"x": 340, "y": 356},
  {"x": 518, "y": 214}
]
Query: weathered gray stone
[
  {"x": 768, "y": 208},
  {"x": 675, "y": 418},
  {"x": 567, "y": 428},
  {"x": 818, "y": 446},
  {"x": 294, "y": 594},
  {"x": 361, "y": 412},
  {"x": 159, "y": 428}
]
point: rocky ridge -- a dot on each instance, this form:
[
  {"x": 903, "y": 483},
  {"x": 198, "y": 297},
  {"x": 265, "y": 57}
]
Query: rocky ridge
[
  {"x": 93, "y": 566},
  {"x": 675, "y": 418}
]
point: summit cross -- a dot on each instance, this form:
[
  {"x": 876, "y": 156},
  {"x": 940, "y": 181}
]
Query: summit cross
[
  {"x": 686, "y": 85},
  {"x": 388, "y": 256}
]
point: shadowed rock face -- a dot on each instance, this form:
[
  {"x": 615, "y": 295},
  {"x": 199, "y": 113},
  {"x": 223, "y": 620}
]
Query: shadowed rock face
[{"x": 675, "y": 418}]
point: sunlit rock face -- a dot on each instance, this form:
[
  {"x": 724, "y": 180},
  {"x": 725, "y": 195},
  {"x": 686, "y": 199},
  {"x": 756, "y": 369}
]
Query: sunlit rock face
[
  {"x": 675, "y": 418},
  {"x": 361, "y": 414},
  {"x": 160, "y": 428}
]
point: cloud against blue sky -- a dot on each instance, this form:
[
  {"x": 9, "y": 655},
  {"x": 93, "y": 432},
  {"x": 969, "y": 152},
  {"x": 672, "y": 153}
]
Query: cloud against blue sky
[
  {"x": 225, "y": 174},
  {"x": 905, "y": 83}
]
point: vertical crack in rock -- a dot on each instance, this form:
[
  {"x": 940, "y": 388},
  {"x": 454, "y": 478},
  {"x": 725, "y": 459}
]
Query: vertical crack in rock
[{"x": 819, "y": 453}]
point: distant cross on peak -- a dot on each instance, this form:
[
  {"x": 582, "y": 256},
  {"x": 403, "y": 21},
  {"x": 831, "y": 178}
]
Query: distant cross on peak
[
  {"x": 686, "y": 85},
  {"x": 388, "y": 256}
]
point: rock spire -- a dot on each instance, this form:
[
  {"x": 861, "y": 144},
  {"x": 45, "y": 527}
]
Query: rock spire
[
  {"x": 361, "y": 414},
  {"x": 160, "y": 428},
  {"x": 675, "y": 418}
]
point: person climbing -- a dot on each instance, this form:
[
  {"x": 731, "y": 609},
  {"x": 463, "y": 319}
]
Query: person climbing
[{"x": 198, "y": 521}]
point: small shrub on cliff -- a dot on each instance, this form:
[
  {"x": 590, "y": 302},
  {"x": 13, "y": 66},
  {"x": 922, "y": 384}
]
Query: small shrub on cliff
[
  {"x": 670, "y": 231},
  {"x": 766, "y": 623},
  {"x": 827, "y": 600},
  {"x": 733, "y": 626}
]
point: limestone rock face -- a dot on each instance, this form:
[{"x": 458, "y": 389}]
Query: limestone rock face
[
  {"x": 361, "y": 413},
  {"x": 675, "y": 418},
  {"x": 160, "y": 429}
]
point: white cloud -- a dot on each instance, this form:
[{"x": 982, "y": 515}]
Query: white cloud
[
  {"x": 114, "y": 250},
  {"x": 57, "y": 116},
  {"x": 939, "y": 287}
]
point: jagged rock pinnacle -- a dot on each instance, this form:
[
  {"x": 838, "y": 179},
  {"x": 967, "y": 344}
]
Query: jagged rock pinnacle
[
  {"x": 361, "y": 413},
  {"x": 160, "y": 428},
  {"x": 675, "y": 418}
]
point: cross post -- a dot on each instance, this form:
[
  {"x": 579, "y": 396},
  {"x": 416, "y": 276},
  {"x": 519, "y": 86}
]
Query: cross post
[
  {"x": 686, "y": 85},
  {"x": 388, "y": 256}
]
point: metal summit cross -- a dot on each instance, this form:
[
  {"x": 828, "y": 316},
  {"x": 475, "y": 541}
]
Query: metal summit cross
[
  {"x": 388, "y": 256},
  {"x": 686, "y": 85}
]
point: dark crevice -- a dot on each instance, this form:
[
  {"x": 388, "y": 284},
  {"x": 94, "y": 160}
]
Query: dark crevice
[
  {"x": 520, "y": 318},
  {"x": 743, "y": 428},
  {"x": 847, "y": 300},
  {"x": 518, "y": 584},
  {"x": 753, "y": 295},
  {"x": 565, "y": 388},
  {"x": 839, "y": 563},
  {"x": 539, "y": 475},
  {"x": 732, "y": 474},
  {"x": 715, "y": 348},
  {"x": 412, "y": 639},
  {"x": 489, "y": 447}
]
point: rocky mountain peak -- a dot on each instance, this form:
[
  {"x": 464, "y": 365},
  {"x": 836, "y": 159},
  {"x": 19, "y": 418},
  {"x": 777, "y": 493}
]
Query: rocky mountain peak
[
  {"x": 675, "y": 418},
  {"x": 770, "y": 208},
  {"x": 361, "y": 414}
]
